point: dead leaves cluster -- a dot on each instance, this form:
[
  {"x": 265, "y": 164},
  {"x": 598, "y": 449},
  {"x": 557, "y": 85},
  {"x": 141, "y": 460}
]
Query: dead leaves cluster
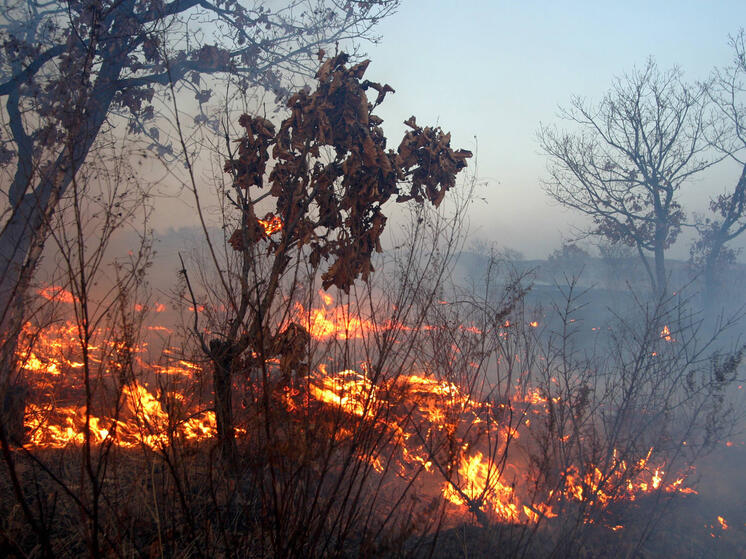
[
  {"x": 332, "y": 172},
  {"x": 425, "y": 158}
]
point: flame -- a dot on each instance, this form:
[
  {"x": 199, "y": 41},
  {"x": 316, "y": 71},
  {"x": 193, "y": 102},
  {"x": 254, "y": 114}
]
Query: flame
[
  {"x": 434, "y": 428},
  {"x": 328, "y": 299},
  {"x": 157, "y": 307},
  {"x": 666, "y": 334},
  {"x": 57, "y": 294},
  {"x": 271, "y": 224},
  {"x": 333, "y": 321},
  {"x": 480, "y": 483},
  {"x": 51, "y": 356},
  {"x": 142, "y": 421},
  {"x": 339, "y": 321},
  {"x": 477, "y": 483}
]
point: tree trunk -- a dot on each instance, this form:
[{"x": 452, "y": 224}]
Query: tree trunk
[
  {"x": 222, "y": 354},
  {"x": 12, "y": 410},
  {"x": 19, "y": 253},
  {"x": 709, "y": 293},
  {"x": 661, "y": 281}
]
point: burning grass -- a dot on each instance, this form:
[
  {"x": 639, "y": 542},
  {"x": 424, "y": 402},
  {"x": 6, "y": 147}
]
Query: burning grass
[{"x": 374, "y": 456}]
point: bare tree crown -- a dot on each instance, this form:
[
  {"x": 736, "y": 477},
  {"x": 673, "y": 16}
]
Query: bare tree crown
[{"x": 629, "y": 155}]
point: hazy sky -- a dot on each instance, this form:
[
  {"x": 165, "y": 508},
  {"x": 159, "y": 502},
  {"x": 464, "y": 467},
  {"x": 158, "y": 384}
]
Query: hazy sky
[{"x": 495, "y": 70}]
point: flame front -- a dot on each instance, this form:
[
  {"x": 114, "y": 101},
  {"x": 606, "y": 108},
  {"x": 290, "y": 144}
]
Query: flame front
[{"x": 456, "y": 443}]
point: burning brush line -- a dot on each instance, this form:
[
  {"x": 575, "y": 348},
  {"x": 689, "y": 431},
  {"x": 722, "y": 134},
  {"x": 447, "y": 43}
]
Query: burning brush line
[{"x": 468, "y": 451}]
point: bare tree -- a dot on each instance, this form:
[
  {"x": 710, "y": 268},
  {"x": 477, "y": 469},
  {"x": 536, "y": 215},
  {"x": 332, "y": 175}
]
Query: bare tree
[
  {"x": 628, "y": 158},
  {"x": 728, "y": 221},
  {"x": 69, "y": 70},
  {"x": 90, "y": 292}
]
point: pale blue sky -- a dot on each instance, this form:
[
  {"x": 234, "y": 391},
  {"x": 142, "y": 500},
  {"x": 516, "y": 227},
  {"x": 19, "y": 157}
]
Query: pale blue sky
[{"x": 495, "y": 70}]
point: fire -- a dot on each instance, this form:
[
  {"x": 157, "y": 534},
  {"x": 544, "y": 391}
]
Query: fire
[
  {"x": 348, "y": 390},
  {"x": 333, "y": 321},
  {"x": 57, "y": 294},
  {"x": 666, "y": 334},
  {"x": 641, "y": 478},
  {"x": 52, "y": 361},
  {"x": 339, "y": 321},
  {"x": 328, "y": 299},
  {"x": 480, "y": 484},
  {"x": 271, "y": 224},
  {"x": 451, "y": 439},
  {"x": 477, "y": 483},
  {"x": 141, "y": 421}
]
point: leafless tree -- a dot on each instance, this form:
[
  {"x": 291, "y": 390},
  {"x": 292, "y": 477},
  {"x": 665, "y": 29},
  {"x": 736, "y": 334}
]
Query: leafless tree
[
  {"x": 91, "y": 290},
  {"x": 627, "y": 157},
  {"x": 728, "y": 221}
]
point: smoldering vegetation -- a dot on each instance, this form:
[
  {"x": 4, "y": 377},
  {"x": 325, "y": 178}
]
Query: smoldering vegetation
[
  {"x": 287, "y": 381},
  {"x": 567, "y": 414}
]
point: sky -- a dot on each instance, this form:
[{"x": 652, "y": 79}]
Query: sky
[{"x": 491, "y": 72}]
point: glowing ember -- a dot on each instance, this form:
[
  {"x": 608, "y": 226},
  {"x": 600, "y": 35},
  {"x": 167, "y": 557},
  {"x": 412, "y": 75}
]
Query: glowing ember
[
  {"x": 57, "y": 294},
  {"x": 271, "y": 224},
  {"x": 666, "y": 334}
]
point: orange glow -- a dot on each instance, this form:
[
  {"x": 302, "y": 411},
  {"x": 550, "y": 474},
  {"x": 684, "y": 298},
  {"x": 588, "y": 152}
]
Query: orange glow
[
  {"x": 666, "y": 334},
  {"x": 147, "y": 424},
  {"x": 477, "y": 482},
  {"x": 723, "y": 523},
  {"x": 271, "y": 224},
  {"x": 455, "y": 440},
  {"x": 328, "y": 299},
  {"x": 57, "y": 294},
  {"x": 333, "y": 321}
]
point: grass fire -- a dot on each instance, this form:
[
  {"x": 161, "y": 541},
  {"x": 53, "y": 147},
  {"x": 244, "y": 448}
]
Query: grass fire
[
  {"x": 470, "y": 453},
  {"x": 320, "y": 366}
]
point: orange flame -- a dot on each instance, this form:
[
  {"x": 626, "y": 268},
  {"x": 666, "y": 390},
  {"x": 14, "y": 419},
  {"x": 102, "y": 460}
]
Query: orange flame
[
  {"x": 666, "y": 334},
  {"x": 417, "y": 410},
  {"x": 271, "y": 224},
  {"x": 57, "y": 294},
  {"x": 333, "y": 321},
  {"x": 143, "y": 422}
]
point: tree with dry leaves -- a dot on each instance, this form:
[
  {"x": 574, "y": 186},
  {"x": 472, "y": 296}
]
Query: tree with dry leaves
[
  {"x": 71, "y": 70},
  {"x": 322, "y": 178}
]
